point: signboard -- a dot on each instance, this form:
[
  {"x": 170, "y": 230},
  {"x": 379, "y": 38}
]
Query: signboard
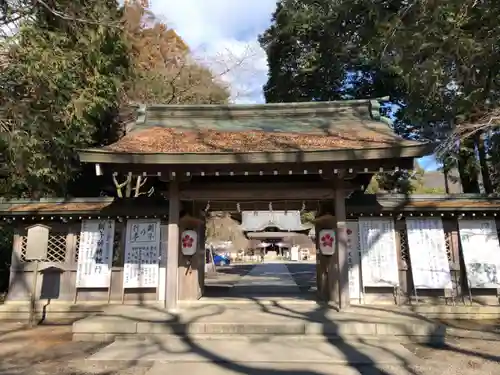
[
  {"x": 326, "y": 241},
  {"x": 481, "y": 251},
  {"x": 379, "y": 262},
  {"x": 189, "y": 242},
  {"x": 429, "y": 262},
  {"x": 353, "y": 260},
  {"x": 37, "y": 243},
  {"x": 95, "y": 254},
  {"x": 142, "y": 251}
]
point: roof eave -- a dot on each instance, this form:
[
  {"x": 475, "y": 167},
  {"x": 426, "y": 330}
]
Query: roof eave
[{"x": 395, "y": 152}]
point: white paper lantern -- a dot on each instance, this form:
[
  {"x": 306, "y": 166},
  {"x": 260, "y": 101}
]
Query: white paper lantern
[
  {"x": 189, "y": 242},
  {"x": 326, "y": 241}
]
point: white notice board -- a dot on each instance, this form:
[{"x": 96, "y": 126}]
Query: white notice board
[
  {"x": 481, "y": 252},
  {"x": 379, "y": 261},
  {"x": 353, "y": 260},
  {"x": 427, "y": 245},
  {"x": 142, "y": 252},
  {"x": 95, "y": 254}
]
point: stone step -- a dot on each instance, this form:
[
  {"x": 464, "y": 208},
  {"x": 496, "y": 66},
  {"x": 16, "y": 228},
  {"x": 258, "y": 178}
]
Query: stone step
[
  {"x": 195, "y": 350},
  {"x": 105, "y": 328},
  {"x": 274, "y": 368}
]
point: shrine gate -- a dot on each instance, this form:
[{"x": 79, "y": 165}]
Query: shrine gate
[{"x": 306, "y": 156}]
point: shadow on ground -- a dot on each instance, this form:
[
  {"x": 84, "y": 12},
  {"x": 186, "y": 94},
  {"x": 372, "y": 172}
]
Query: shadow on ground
[{"x": 50, "y": 347}]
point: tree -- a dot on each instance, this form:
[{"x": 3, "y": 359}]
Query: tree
[
  {"x": 438, "y": 62},
  {"x": 68, "y": 84},
  {"x": 60, "y": 86},
  {"x": 166, "y": 72},
  {"x": 314, "y": 53},
  {"x": 402, "y": 182},
  {"x": 448, "y": 56}
]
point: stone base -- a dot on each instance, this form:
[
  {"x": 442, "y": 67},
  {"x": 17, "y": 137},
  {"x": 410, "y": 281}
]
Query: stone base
[{"x": 259, "y": 319}]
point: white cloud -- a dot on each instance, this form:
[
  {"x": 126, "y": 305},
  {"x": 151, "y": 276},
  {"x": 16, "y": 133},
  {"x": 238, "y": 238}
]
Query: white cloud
[{"x": 224, "y": 32}]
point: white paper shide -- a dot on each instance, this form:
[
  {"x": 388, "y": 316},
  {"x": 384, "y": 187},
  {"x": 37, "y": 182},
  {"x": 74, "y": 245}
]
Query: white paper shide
[
  {"x": 353, "y": 260},
  {"x": 142, "y": 254},
  {"x": 379, "y": 262},
  {"x": 95, "y": 254},
  {"x": 429, "y": 261},
  {"x": 481, "y": 251}
]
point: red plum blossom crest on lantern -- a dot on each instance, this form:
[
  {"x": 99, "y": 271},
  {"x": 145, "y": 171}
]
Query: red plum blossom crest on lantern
[
  {"x": 327, "y": 240},
  {"x": 187, "y": 241}
]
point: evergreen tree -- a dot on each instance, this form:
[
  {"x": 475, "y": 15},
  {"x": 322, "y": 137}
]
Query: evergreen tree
[
  {"x": 60, "y": 87},
  {"x": 439, "y": 63}
]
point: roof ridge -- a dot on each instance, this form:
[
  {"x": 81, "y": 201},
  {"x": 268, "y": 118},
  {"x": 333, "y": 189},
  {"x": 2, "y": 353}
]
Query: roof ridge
[
  {"x": 359, "y": 107},
  {"x": 331, "y": 103}
]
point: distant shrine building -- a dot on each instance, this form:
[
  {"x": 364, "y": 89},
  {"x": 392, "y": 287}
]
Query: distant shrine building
[
  {"x": 242, "y": 159},
  {"x": 275, "y": 232}
]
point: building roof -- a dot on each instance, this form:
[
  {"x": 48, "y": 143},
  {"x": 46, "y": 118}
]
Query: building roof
[
  {"x": 287, "y": 221},
  {"x": 205, "y": 130},
  {"x": 83, "y": 208}
]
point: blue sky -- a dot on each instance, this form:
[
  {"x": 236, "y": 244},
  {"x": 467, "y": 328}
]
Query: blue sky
[{"x": 224, "y": 34}]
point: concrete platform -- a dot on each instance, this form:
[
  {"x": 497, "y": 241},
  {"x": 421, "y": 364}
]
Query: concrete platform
[
  {"x": 281, "y": 350},
  {"x": 260, "y": 318},
  {"x": 273, "y": 368}
]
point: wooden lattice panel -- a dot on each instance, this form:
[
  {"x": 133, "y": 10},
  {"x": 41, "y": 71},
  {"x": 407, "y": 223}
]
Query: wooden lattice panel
[
  {"x": 24, "y": 244},
  {"x": 404, "y": 248},
  {"x": 56, "y": 251},
  {"x": 449, "y": 246}
]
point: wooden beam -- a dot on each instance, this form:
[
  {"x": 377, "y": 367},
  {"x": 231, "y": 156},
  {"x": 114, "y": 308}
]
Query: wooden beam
[
  {"x": 254, "y": 194},
  {"x": 323, "y": 168},
  {"x": 238, "y": 207},
  {"x": 259, "y": 192}
]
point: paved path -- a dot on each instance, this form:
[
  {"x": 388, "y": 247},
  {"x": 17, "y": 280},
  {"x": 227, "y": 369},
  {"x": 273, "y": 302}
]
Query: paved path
[
  {"x": 258, "y": 350},
  {"x": 266, "y": 278}
]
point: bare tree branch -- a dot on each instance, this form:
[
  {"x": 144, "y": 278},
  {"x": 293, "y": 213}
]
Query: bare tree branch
[{"x": 468, "y": 130}]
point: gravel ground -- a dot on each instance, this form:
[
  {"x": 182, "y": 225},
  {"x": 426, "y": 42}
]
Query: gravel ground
[
  {"x": 48, "y": 350},
  {"x": 458, "y": 357}
]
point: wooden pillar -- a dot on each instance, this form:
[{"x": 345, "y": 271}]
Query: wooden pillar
[
  {"x": 18, "y": 285},
  {"x": 171, "y": 288},
  {"x": 201, "y": 265},
  {"x": 341, "y": 249},
  {"x": 67, "y": 285}
]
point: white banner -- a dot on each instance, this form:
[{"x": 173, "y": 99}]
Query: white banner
[
  {"x": 142, "y": 252},
  {"x": 427, "y": 245},
  {"x": 162, "y": 278},
  {"x": 379, "y": 261},
  {"x": 95, "y": 254},
  {"x": 353, "y": 260},
  {"x": 481, "y": 252}
]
